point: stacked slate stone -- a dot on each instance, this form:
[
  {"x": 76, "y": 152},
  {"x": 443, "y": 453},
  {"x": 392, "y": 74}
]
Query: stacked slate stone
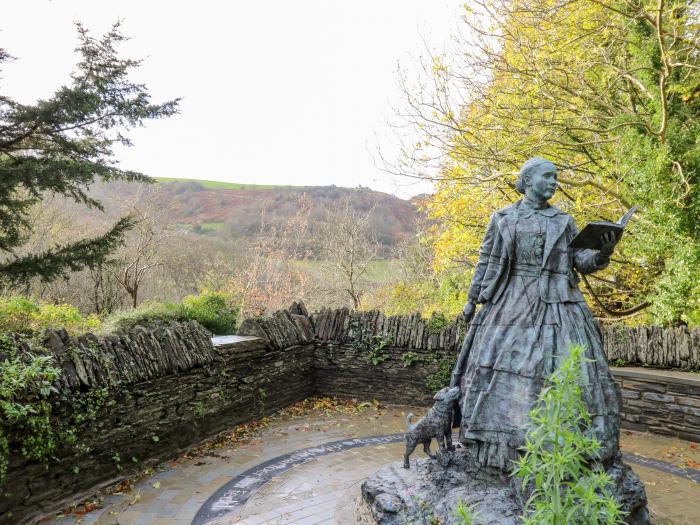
[
  {"x": 671, "y": 347},
  {"x": 283, "y": 329},
  {"x": 89, "y": 361},
  {"x": 402, "y": 331},
  {"x": 143, "y": 396}
]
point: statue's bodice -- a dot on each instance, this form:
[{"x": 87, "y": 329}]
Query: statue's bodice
[{"x": 530, "y": 233}]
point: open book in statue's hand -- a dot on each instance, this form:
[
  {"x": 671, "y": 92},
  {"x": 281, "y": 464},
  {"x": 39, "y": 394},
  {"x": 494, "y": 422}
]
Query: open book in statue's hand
[{"x": 590, "y": 236}]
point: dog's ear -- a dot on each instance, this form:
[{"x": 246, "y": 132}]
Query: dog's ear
[{"x": 440, "y": 394}]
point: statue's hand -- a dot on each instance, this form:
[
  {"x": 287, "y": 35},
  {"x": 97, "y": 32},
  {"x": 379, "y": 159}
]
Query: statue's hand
[
  {"x": 607, "y": 243},
  {"x": 468, "y": 311}
]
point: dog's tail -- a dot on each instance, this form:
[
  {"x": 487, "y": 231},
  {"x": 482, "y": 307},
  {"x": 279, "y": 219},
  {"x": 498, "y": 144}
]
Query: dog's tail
[{"x": 409, "y": 418}]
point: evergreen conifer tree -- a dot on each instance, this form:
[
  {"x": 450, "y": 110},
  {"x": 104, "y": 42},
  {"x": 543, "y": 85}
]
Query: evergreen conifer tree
[{"x": 60, "y": 146}]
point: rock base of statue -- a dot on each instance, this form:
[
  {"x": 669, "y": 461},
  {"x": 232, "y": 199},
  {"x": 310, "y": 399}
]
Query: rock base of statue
[{"x": 431, "y": 490}]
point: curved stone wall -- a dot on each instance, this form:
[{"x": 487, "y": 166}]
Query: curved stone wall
[{"x": 170, "y": 388}]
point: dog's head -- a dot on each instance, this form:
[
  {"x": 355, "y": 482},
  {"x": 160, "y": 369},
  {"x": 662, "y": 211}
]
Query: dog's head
[{"x": 447, "y": 394}]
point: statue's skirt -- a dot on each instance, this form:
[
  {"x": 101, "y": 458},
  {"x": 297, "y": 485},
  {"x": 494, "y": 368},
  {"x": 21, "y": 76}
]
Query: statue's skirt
[{"x": 512, "y": 347}]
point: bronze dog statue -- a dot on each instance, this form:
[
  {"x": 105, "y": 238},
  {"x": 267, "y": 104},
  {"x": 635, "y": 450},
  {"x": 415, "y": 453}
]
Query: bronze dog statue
[{"x": 437, "y": 423}]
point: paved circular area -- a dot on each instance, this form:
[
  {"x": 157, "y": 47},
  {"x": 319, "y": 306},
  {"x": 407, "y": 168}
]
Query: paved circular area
[{"x": 305, "y": 482}]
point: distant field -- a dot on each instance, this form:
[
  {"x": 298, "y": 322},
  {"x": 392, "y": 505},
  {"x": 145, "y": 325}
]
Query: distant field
[
  {"x": 211, "y": 226},
  {"x": 214, "y": 184}
]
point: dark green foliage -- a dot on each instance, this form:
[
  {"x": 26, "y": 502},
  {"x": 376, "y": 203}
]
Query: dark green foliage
[
  {"x": 26, "y": 381},
  {"x": 63, "y": 144},
  {"x": 30, "y": 427},
  {"x": 436, "y": 323},
  {"x": 442, "y": 373},
  {"x": 376, "y": 350},
  {"x": 58, "y": 262}
]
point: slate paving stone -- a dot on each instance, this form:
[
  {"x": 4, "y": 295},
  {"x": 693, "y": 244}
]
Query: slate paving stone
[{"x": 324, "y": 490}]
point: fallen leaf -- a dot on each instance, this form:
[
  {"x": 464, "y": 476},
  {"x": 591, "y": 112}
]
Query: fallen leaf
[{"x": 692, "y": 464}]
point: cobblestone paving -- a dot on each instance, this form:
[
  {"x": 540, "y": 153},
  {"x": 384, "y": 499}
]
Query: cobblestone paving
[{"x": 324, "y": 490}]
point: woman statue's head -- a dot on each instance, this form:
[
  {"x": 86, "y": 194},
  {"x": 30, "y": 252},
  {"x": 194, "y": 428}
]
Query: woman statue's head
[{"x": 537, "y": 179}]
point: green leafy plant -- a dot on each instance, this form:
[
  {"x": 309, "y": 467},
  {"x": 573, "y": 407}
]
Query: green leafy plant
[
  {"x": 146, "y": 314},
  {"x": 375, "y": 346},
  {"x": 410, "y": 358},
  {"x": 26, "y": 316},
  {"x": 26, "y": 382},
  {"x": 117, "y": 461},
  {"x": 260, "y": 399},
  {"x": 30, "y": 424},
  {"x": 564, "y": 488},
  {"x": 376, "y": 350},
  {"x": 465, "y": 514},
  {"x": 441, "y": 375},
  {"x": 199, "y": 409}
]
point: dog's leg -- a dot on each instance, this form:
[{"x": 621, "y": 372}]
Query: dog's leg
[
  {"x": 426, "y": 448},
  {"x": 448, "y": 439},
  {"x": 410, "y": 447},
  {"x": 440, "y": 438}
]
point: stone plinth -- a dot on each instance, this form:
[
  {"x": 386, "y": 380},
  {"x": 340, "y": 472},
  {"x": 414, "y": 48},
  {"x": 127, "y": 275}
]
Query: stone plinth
[{"x": 432, "y": 489}]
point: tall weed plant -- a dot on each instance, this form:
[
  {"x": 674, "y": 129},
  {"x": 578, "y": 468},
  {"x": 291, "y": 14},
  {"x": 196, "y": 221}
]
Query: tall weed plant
[{"x": 566, "y": 491}]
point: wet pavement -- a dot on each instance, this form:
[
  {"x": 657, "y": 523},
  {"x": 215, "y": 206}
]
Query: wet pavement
[{"x": 284, "y": 475}]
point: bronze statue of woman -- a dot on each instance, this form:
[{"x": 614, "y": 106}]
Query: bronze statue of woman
[{"x": 532, "y": 311}]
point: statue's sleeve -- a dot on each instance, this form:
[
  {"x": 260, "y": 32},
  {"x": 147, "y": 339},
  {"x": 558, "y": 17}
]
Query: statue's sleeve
[
  {"x": 585, "y": 260},
  {"x": 484, "y": 256}
]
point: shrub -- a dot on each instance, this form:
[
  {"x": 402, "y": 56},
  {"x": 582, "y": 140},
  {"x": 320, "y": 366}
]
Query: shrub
[
  {"x": 557, "y": 449},
  {"x": 23, "y": 315},
  {"x": 213, "y": 310},
  {"x": 436, "y": 323},
  {"x": 146, "y": 314}
]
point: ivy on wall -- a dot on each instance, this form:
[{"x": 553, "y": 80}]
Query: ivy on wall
[{"x": 29, "y": 425}]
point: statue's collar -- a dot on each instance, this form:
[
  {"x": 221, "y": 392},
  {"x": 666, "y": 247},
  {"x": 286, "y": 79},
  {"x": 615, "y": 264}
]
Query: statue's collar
[{"x": 523, "y": 210}]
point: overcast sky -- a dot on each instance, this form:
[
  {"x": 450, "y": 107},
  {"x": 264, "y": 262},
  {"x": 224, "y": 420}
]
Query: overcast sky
[{"x": 274, "y": 92}]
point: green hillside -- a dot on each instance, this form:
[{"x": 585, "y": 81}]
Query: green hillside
[{"x": 215, "y": 184}]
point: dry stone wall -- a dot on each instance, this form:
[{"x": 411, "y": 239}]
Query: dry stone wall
[
  {"x": 163, "y": 390},
  {"x": 654, "y": 346},
  {"x": 660, "y": 402},
  {"x": 418, "y": 353}
]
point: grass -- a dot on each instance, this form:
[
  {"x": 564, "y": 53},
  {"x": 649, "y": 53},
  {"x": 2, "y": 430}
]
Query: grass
[
  {"x": 215, "y": 311},
  {"x": 211, "y": 226},
  {"x": 215, "y": 184}
]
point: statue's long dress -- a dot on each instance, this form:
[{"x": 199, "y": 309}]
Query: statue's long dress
[{"x": 514, "y": 345}]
